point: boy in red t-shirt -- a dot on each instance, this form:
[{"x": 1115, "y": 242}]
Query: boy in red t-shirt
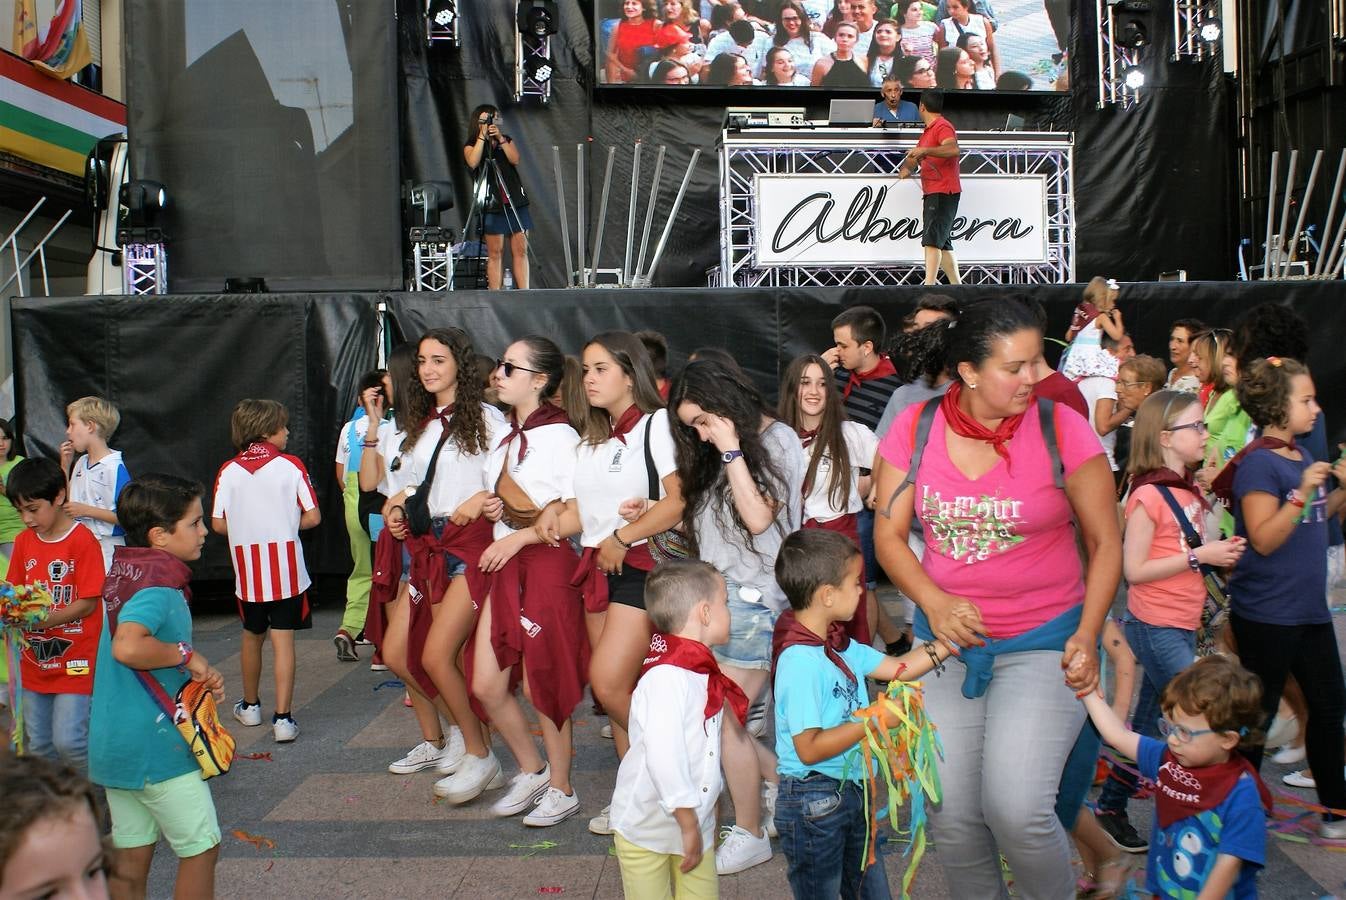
[
  {"x": 937, "y": 151},
  {"x": 57, "y": 665}
]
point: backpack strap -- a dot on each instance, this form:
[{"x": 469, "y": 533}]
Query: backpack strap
[
  {"x": 159, "y": 695},
  {"x": 1047, "y": 417},
  {"x": 1184, "y": 523},
  {"x": 920, "y": 436},
  {"x": 651, "y": 474}
]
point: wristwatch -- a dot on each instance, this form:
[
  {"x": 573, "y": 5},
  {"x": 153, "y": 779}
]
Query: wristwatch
[{"x": 729, "y": 456}]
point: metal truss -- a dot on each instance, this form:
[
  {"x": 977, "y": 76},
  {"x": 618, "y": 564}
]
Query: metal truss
[
  {"x": 1187, "y": 43},
  {"x": 442, "y": 22},
  {"x": 145, "y": 268},
  {"x": 532, "y": 54},
  {"x": 1113, "y": 60},
  {"x": 744, "y": 155},
  {"x": 432, "y": 259}
]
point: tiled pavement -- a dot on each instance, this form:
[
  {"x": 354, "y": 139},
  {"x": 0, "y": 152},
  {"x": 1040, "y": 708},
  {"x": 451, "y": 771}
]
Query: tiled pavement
[{"x": 344, "y": 827}]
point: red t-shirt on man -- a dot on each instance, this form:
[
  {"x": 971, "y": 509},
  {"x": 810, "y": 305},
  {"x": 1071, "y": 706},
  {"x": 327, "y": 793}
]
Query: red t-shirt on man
[{"x": 939, "y": 175}]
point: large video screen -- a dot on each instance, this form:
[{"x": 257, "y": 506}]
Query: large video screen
[{"x": 962, "y": 45}]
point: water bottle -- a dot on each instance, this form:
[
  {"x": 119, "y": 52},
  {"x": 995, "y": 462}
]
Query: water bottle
[{"x": 509, "y": 280}]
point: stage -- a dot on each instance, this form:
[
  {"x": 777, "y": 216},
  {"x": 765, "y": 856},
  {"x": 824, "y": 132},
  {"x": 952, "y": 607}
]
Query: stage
[{"x": 175, "y": 365}]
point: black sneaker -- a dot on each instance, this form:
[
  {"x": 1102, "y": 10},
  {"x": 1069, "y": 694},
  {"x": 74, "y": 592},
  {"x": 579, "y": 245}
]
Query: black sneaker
[
  {"x": 899, "y": 646},
  {"x": 1119, "y": 831},
  {"x": 345, "y": 647}
]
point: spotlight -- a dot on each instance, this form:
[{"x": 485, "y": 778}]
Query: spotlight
[
  {"x": 1133, "y": 34},
  {"x": 422, "y": 203},
  {"x": 1134, "y": 78},
  {"x": 539, "y": 69},
  {"x": 144, "y": 200},
  {"x": 537, "y": 17},
  {"x": 1209, "y": 30},
  {"x": 442, "y": 12}
]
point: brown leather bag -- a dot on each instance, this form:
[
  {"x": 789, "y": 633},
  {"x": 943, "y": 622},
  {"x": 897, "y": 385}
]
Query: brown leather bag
[{"x": 520, "y": 513}]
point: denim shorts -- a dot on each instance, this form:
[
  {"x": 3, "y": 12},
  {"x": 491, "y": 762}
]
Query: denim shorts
[
  {"x": 750, "y": 628},
  {"x": 453, "y": 566}
]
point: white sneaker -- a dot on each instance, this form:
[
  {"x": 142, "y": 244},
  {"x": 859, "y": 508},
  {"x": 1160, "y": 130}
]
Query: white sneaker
[
  {"x": 284, "y": 730},
  {"x": 757, "y": 715},
  {"x": 1282, "y": 730},
  {"x": 525, "y": 789},
  {"x": 769, "y": 792},
  {"x": 248, "y": 715},
  {"x": 606, "y": 731},
  {"x": 740, "y": 850},
  {"x": 422, "y": 756},
  {"x": 475, "y": 775},
  {"x": 1332, "y": 831},
  {"x": 454, "y": 751},
  {"x": 1288, "y": 756},
  {"x": 602, "y": 823},
  {"x": 552, "y": 808}
]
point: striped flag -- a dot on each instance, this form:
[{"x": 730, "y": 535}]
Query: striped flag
[
  {"x": 50, "y": 122},
  {"x": 63, "y": 50}
]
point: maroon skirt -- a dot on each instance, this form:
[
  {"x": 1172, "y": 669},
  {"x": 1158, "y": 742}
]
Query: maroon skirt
[
  {"x": 537, "y": 620},
  {"x": 593, "y": 584},
  {"x": 858, "y": 627}
]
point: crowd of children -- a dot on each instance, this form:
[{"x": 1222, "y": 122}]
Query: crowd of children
[{"x": 687, "y": 554}]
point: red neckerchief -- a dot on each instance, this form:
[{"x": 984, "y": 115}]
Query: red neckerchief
[
  {"x": 257, "y": 454},
  {"x": 789, "y": 632},
  {"x": 1166, "y": 477},
  {"x": 443, "y": 415},
  {"x": 1223, "y": 485},
  {"x": 806, "y": 436},
  {"x": 966, "y": 426},
  {"x": 136, "y": 568},
  {"x": 1183, "y": 792},
  {"x": 626, "y": 422},
  {"x": 884, "y": 368},
  {"x": 546, "y": 414},
  {"x": 694, "y": 656}
]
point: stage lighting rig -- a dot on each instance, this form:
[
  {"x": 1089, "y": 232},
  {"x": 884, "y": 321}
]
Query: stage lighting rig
[
  {"x": 1134, "y": 78},
  {"x": 535, "y": 22},
  {"x": 442, "y": 22},
  {"x": 431, "y": 254},
  {"x": 144, "y": 254},
  {"x": 1124, "y": 36}
]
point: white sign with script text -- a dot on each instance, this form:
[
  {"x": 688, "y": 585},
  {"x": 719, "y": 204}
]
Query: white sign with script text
[{"x": 875, "y": 220}]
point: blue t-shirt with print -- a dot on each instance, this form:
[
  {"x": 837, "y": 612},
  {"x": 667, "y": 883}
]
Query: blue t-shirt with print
[
  {"x": 1182, "y": 855},
  {"x": 811, "y": 692},
  {"x": 1287, "y": 586},
  {"x": 132, "y": 742}
]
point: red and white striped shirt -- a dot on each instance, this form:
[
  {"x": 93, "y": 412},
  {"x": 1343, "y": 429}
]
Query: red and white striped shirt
[{"x": 261, "y": 493}]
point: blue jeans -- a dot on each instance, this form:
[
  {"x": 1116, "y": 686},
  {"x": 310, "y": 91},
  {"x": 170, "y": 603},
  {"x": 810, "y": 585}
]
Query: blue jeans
[
  {"x": 57, "y": 726},
  {"x": 1163, "y": 653},
  {"x": 822, "y": 830}
]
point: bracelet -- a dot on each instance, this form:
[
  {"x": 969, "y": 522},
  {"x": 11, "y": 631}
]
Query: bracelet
[
  {"x": 936, "y": 664},
  {"x": 618, "y": 538},
  {"x": 1296, "y": 499},
  {"x": 185, "y": 651},
  {"x": 1192, "y": 562}
]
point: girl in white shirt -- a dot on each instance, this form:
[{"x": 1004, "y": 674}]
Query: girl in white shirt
[
  {"x": 964, "y": 19},
  {"x": 447, "y": 412},
  {"x": 532, "y": 627},
  {"x": 838, "y": 453},
  {"x": 625, "y": 434}
]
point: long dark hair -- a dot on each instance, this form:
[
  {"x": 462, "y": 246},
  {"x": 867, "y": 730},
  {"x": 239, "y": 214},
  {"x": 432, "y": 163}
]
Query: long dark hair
[
  {"x": 7, "y": 426},
  {"x": 782, "y": 37},
  {"x": 630, "y": 353},
  {"x": 922, "y": 353},
  {"x": 830, "y": 440},
  {"x": 474, "y": 123},
  {"x": 946, "y": 68},
  {"x": 718, "y": 390},
  {"x": 467, "y": 427},
  {"x": 402, "y": 375}
]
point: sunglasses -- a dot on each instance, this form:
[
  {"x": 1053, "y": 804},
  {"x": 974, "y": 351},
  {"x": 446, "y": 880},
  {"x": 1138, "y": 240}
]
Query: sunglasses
[
  {"x": 1184, "y": 734},
  {"x": 510, "y": 368}
]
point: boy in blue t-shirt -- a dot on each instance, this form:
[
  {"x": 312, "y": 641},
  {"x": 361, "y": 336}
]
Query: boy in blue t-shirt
[
  {"x": 153, "y": 782},
  {"x": 1209, "y": 836},
  {"x": 819, "y": 683}
]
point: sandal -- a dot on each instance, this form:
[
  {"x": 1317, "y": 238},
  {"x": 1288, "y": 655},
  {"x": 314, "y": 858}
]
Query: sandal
[{"x": 1113, "y": 876}]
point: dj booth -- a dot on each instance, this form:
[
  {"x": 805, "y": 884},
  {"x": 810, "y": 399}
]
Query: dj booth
[{"x": 812, "y": 204}]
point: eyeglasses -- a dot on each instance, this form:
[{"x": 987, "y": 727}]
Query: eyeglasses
[
  {"x": 1184, "y": 734},
  {"x": 1198, "y": 427},
  {"x": 1130, "y": 384},
  {"x": 510, "y": 368},
  {"x": 789, "y": 18}
]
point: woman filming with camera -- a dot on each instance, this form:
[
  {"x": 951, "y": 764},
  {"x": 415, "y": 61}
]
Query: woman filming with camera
[{"x": 493, "y": 156}]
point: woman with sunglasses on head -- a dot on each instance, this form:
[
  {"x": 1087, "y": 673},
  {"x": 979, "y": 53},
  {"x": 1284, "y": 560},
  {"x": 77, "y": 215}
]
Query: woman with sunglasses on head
[
  {"x": 625, "y": 449},
  {"x": 742, "y": 477},
  {"x": 531, "y": 631},
  {"x": 438, "y": 515}
]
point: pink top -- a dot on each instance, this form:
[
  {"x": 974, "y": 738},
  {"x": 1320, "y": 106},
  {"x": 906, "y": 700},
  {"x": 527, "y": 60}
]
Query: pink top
[
  {"x": 1175, "y": 601},
  {"x": 1004, "y": 541}
]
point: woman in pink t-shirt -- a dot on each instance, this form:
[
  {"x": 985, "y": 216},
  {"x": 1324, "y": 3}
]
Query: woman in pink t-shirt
[{"x": 1002, "y": 579}]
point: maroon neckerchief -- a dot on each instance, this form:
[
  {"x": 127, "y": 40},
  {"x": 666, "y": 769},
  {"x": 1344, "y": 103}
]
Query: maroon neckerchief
[
  {"x": 442, "y": 415},
  {"x": 884, "y": 368},
  {"x": 545, "y": 414},
  {"x": 790, "y": 631},
  {"x": 806, "y": 436},
  {"x": 966, "y": 426},
  {"x": 625, "y": 422},
  {"x": 1223, "y": 485},
  {"x": 1183, "y": 792},
  {"x": 694, "y": 656},
  {"x": 1166, "y": 477},
  {"x": 257, "y": 454},
  {"x": 136, "y": 568}
]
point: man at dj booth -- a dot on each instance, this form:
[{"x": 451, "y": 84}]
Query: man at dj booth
[{"x": 892, "y": 108}]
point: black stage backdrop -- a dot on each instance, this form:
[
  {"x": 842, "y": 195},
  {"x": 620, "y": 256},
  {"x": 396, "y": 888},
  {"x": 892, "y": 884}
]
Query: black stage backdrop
[
  {"x": 175, "y": 366},
  {"x": 1154, "y": 185},
  {"x": 274, "y": 128}
]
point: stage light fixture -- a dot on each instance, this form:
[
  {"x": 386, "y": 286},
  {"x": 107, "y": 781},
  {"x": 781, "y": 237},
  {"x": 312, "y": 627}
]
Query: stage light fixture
[
  {"x": 537, "y": 17},
  {"x": 539, "y": 69},
  {"x": 1134, "y": 78},
  {"x": 442, "y": 12},
  {"x": 1209, "y": 30},
  {"x": 1133, "y": 34},
  {"x": 144, "y": 200},
  {"x": 422, "y": 203}
]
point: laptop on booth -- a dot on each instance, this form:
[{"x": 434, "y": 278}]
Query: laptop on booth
[{"x": 850, "y": 113}]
